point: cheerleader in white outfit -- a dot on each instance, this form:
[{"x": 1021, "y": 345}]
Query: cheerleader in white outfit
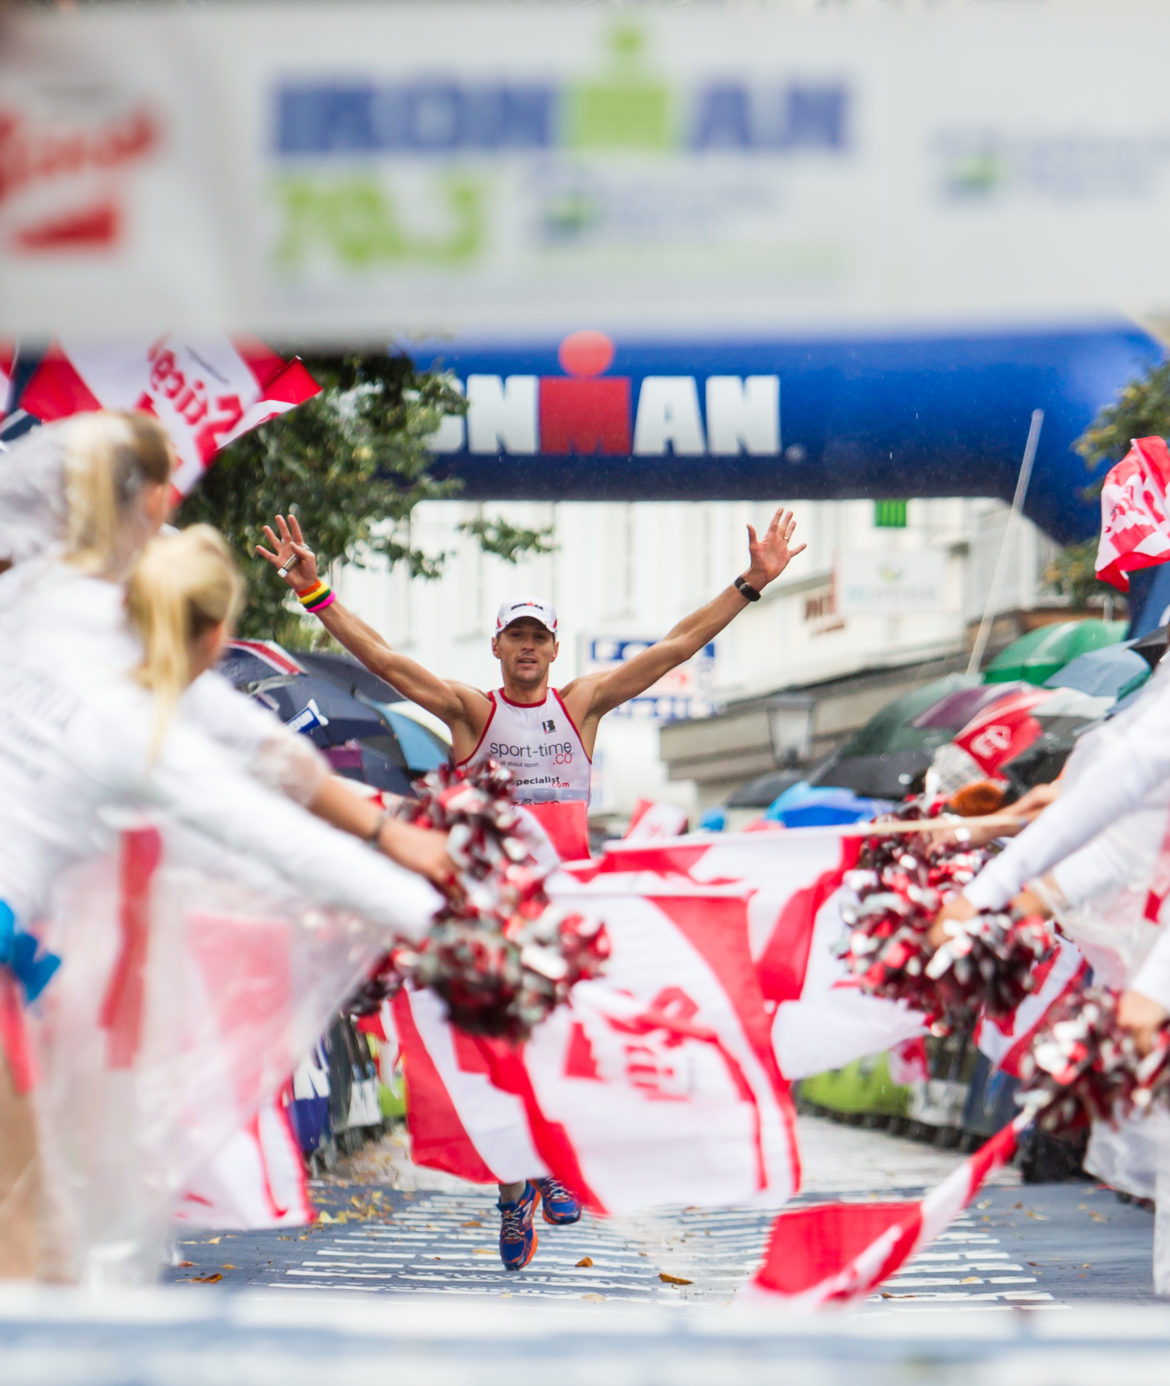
[
  {"x": 1093, "y": 859},
  {"x": 77, "y": 502},
  {"x": 76, "y": 742}
]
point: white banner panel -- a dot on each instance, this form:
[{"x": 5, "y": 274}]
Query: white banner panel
[
  {"x": 891, "y": 583},
  {"x": 349, "y": 170}
]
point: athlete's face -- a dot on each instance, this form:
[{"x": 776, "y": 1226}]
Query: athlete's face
[{"x": 525, "y": 650}]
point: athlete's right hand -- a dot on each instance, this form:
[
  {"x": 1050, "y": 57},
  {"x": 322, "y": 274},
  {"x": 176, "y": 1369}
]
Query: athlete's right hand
[{"x": 290, "y": 545}]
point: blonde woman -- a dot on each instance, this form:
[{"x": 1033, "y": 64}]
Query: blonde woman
[
  {"x": 77, "y": 741},
  {"x": 94, "y": 492}
]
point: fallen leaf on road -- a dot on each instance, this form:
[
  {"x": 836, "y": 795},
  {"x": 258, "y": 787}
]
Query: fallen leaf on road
[
  {"x": 325, "y": 1217},
  {"x": 673, "y": 1279},
  {"x": 1098, "y": 1217},
  {"x": 985, "y": 1204},
  {"x": 971, "y": 1280},
  {"x": 1038, "y": 1216},
  {"x": 185, "y": 1263},
  {"x": 214, "y": 1241},
  {"x": 585, "y": 1261},
  {"x": 484, "y": 1251},
  {"x": 471, "y": 1222},
  {"x": 206, "y": 1279},
  {"x": 230, "y": 1267},
  {"x": 593, "y": 1299}
]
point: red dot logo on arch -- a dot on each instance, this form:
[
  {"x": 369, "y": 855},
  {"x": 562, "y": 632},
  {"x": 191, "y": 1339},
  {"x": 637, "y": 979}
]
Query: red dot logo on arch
[{"x": 585, "y": 412}]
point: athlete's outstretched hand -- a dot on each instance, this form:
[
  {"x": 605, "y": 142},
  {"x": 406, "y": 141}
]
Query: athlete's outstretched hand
[
  {"x": 292, "y": 558},
  {"x": 772, "y": 554}
]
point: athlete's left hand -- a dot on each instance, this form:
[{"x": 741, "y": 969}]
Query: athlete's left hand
[{"x": 772, "y": 554}]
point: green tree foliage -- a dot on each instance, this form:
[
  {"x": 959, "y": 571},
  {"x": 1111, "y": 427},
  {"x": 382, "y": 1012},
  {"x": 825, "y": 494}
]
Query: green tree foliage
[
  {"x": 1141, "y": 410},
  {"x": 352, "y": 464}
]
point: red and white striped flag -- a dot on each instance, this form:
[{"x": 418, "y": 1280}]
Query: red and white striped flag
[
  {"x": 204, "y": 393},
  {"x": 656, "y": 1086},
  {"x": 256, "y": 1181},
  {"x": 837, "y": 1253},
  {"x": 796, "y": 888},
  {"x": 1135, "y": 530},
  {"x": 7, "y": 366},
  {"x": 652, "y": 821}
]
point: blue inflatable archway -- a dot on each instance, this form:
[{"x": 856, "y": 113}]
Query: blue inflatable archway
[{"x": 590, "y": 418}]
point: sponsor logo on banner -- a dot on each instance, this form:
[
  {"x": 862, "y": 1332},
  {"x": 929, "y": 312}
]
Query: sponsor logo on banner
[
  {"x": 65, "y": 167},
  {"x": 897, "y": 583},
  {"x": 329, "y": 130},
  {"x": 586, "y": 412}
]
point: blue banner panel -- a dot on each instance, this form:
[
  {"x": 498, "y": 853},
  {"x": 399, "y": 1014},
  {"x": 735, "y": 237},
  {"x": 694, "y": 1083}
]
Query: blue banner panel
[{"x": 590, "y": 418}]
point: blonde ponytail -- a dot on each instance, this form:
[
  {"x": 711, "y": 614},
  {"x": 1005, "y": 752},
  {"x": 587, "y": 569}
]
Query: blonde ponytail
[
  {"x": 181, "y": 586},
  {"x": 109, "y": 458}
]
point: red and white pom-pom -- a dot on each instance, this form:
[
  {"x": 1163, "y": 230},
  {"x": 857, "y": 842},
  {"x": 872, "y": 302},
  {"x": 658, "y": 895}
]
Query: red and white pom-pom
[
  {"x": 1082, "y": 1067},
  {"x": 502, "y": 957},
  {"x": 986, "y": 965}
]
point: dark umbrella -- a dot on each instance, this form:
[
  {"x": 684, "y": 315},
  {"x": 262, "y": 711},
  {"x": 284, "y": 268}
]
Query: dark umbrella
[
  {"x": 356, "y": 738},
  {"x": 884, "y": 758},
  {"x": 421, "y": 749},
  {"x": 958, "y": 708},
  {"x": 761, "y": 791},
  {"x": 893, "y": 727},
  {"x": 327, "y": 714},
  {"x": 348, "y": 674},
  {"x": 1152, "y": 647},
  {"x": 355, "y": 760},
  {"x": 252, "y": 665},
  {"x": 890, "y": 775}
]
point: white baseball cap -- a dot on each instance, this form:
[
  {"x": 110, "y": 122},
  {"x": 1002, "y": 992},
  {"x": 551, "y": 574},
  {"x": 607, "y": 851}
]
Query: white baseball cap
[{"x": 533, "y": 607}]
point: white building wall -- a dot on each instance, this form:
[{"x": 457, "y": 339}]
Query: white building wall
[{"x": 633, "y": 570}]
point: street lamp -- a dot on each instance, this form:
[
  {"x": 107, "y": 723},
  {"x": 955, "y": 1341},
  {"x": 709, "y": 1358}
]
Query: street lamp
[{"x": 790, "y": 728}]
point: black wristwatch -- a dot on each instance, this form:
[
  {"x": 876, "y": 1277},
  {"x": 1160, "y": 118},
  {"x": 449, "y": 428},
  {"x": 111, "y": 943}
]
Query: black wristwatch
[{"x": 745, "y": 589}]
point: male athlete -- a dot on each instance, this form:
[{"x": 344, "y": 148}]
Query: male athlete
[{"x": 545, "y": 736}]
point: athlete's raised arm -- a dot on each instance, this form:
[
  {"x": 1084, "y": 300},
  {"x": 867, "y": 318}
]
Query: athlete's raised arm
[
  {"x": 769, "y": 555},
  {"x": 464, "y": 709}
]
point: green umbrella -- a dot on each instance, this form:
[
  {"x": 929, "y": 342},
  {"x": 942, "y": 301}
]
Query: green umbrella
[
  {"x": 1039, "y": 654},
  {"x": 892, "y": 728}
]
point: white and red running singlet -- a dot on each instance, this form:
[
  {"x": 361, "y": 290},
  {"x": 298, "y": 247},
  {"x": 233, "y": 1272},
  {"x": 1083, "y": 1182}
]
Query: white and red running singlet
[{"x": 540, "y": 745}]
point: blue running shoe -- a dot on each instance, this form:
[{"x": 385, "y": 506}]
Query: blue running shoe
[
  {"x": 517, "y": 1234},
  {"x": 560, "y": 1207}
]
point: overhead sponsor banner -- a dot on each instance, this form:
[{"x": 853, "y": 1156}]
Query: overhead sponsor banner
[
  {"x": 344, "y": 170},
  {"x": 687, "y": 691},
  {"x": 891, "y": 582},
  {"x": 113, "y": 201}
]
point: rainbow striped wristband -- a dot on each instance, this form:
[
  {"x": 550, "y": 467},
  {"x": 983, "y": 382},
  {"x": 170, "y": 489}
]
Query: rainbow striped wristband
[{"x": 317, "y": 597}]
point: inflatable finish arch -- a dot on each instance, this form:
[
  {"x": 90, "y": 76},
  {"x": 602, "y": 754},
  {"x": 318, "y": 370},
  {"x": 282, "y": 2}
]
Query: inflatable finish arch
[{"x": 832, "y": 418}]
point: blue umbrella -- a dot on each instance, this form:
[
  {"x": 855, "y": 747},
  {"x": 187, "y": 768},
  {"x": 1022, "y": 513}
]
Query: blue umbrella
[
  {"x": 811, "y": 806},
  {"x": 1110, "y": 672}
]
